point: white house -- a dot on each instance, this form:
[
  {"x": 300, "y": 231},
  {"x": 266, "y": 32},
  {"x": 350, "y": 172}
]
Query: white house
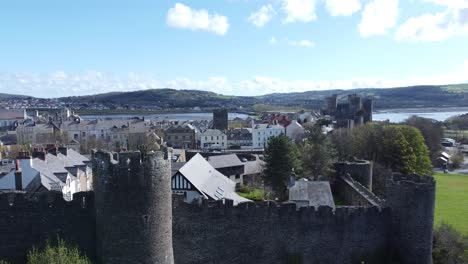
[
  {"x": 62, "y": 170},
  {"x": 295, "y": 131},
  {"x": 262, "y": 132},
  {"x": 213, "y": 138},
  {"x": 198, "y": 179}
]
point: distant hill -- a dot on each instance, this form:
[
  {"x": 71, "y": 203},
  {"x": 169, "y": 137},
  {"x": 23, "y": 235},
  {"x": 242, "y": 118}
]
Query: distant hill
[
  {"x": 165, "y": 98},
  {"x": 4, "y": 96},
  {"x": 402, "y": 97}
]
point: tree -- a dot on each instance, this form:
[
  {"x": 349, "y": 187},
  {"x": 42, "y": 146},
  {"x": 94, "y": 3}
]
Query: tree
[
  {"x": 404, "y": 150},
  {"x": 281, "y": 157},
  {"x": 400, "y": 148},
  {"x": 59, "y": 254},
  {"x": 432, "y": 132},
  {"x": 317, "y": 153}
]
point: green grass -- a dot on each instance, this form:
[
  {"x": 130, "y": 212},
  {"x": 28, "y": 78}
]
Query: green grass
[
  {"x": 452, "y": 201},
  {"x": 252, "y": 194}
]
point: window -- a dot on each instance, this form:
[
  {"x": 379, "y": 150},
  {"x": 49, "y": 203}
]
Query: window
[
  {"x": 206, "y": 138},
  {"x": 183, "y": 137},
  {"x": 217, "y": 137},
  {"x": 211, "y": 137},
  {"x": 176, "y": 137}
]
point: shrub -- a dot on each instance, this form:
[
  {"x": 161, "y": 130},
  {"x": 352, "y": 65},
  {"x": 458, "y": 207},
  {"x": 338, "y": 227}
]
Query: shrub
[
  {"x": 251, "y": 193},
  {"x": 59, "y": 254},
  {"x": 457, "y": 160},
  {"x": 449, "y": 246}
]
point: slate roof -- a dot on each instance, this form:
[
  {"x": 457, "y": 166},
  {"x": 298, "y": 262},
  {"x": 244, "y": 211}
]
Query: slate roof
[
  {"x": 224, "y": 161},
  {"x": 253, "y": 167},
  {"x": 208, "y": 181},
  {"x": 213, "y": 132},
  {"x": 50, "y": 173},
  {"x": 318, "y": 193},
  {"x": 10, "y": 114}
]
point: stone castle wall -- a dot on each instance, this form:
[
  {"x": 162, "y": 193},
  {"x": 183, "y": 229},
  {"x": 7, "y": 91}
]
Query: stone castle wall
[
  {"x": 31, "y": 221},
  {"x": 133, "y": 202},
  {"x": 130, "y": 220},
  {"x": 270, "y": 233}
]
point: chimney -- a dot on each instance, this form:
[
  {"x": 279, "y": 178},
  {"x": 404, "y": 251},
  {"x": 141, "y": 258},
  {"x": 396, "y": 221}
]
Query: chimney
[
  {"x": 18, "y": 177},
  {"x": 52, "y": 149},
  {"x": 23, "y": 155},
  {"x": 63, "y": 150},
  {"x": 39, "y": 153}
]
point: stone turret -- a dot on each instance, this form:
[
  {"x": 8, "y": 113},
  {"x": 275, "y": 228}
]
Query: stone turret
[
  {"x": 133, "y": 207},
  {"x": 412, "y": 200}
]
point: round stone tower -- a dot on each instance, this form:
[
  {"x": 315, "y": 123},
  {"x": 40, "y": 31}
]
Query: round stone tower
[
  {"x": 412, "y": 199},
  {"x": 133, "y": 207}
]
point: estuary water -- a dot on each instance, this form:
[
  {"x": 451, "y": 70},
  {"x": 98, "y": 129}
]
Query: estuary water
[
  {"x": 175, "y": 116},
  {"x": 393, "y": 115},
  {"x": 400, "y": 115}
]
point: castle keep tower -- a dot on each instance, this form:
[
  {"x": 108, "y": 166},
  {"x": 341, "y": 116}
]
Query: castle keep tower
[
  {"x": 133, "y": 207},
  {"x": 412, "y": 199}
]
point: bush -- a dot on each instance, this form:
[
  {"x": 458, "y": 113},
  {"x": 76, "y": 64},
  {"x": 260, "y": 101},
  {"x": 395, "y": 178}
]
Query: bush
[
  {"x": 252, "y": 193},
  {"x": 59, "y": 254},
  {"x": 457, "y": 160},
  {"x": 449, "y": 246}
]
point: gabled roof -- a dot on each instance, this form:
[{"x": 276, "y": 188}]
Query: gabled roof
[
  {"x": 213, "y": 132},
  {"x": 208, "y": 181},
  {"x": 223, "y": 161},
  {"x": 317, "y": 193},
  {"x": 10, "y": 114}
]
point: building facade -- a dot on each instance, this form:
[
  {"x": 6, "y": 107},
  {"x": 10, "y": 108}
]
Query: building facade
[
  {"x": 213, "y": 138},
  {"x": 181, "y": 136},
  {"x": 262, "y": 132}
]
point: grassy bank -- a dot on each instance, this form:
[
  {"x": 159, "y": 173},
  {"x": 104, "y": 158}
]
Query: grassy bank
[{"x": 452, "y": 201}]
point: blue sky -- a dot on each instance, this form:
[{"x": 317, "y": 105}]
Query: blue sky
[{"x": 53, "y": 48}]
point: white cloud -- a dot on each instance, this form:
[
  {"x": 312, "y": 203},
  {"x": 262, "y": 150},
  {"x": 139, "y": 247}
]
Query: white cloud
[
  {"x": 342, "y": 7},
  {"x": 434, "y": 27},
  {"x": 299, "y": 10},
  {"x": 61, "y": 84},
  {"x": 449, "y": 3},
  {"x": 377, "y": 17},
  {"x": 273, "y": 41},
  {"x": 262, "y": 16},
  {"x": 182, "y": 16},
  {"x": 302, "y": 43}
]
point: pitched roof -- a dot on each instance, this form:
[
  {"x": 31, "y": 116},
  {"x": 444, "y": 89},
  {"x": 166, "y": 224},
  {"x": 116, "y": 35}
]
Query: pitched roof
[
  {"x": 253, "y": 167},
  {"x": 317, "y": 193},
  {"x": 209, "y": 181},
  {"x": 7, "y": 114},
  {"x": 212, "y": 132},
  {"x": 223, "y": 161}
]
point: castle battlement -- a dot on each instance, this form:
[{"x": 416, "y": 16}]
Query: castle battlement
[
  {"x": 412, "y": 179},
  {"x": 127, "y": 171},
  {"x": 226, "y": 208},
  {"x": 48, "y": 200}
]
